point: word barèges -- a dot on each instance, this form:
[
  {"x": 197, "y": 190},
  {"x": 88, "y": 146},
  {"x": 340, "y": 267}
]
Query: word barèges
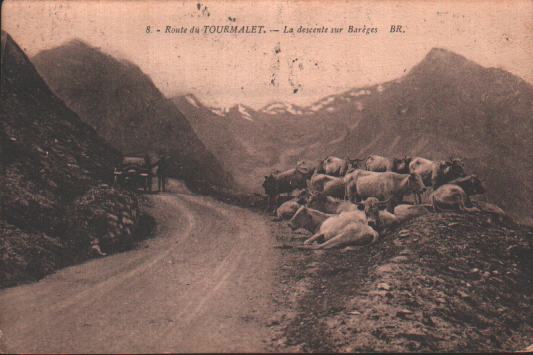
[{"x": 234, "y": 29}]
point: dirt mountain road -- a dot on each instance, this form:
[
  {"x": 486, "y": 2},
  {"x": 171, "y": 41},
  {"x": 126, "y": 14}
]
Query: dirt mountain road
[{"x": 203, "y": 285}]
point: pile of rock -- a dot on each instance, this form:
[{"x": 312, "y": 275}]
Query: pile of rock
[{"x": 106, "y": 216}]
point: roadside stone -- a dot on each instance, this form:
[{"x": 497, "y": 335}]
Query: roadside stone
[
  {"x": 112, "y": 217},
  {"x": 381, "y": 293},
  {"x": 387, "y": 268},
  {"x": 406, "y": 251},
  {"x": 127, "y": 221},
  {"x": 462, "y": 294},
  {"x": 404, "y": 233},
  {"x": 383, "y": 286},
  {"x": 399, "y": 259},
  {"x": 403, "y": 313}
]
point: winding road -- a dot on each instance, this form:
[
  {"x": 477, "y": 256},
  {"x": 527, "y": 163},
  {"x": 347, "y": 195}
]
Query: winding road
[{"x": 204, "y": 284}]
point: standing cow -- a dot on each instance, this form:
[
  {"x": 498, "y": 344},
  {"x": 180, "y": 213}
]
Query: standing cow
[
  {"x": 377, "y": 163},
  {"x": 334, "y": 166},
  {"x": 438, "y": 172},
  {"x": 328, "y": 185},
  {"x": 384, "y": 186},
  {"x": 283, "y": 182}
]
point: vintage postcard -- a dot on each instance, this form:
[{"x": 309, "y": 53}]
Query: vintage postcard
[{"x": 266, "y": 176}]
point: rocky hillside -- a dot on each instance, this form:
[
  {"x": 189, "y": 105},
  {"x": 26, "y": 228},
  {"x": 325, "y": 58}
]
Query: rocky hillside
[
  {"x": 446, "y": 105},
  {"x": 128, "y": 110},
  {"x": 53, "y": 170},
  {"x": 443, "y": 282}
]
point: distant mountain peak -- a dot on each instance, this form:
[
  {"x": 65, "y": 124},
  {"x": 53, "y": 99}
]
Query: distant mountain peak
[
  {"x": 76, "y": 42},
  {"x": 443, "y": 59},
  {"x": 443, "y": 54}
]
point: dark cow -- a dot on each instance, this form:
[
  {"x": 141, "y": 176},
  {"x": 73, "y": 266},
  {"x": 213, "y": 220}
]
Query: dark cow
[
  {"x": 283, "y": 182},
  {"x": 471, "y": 184},
  {"x": 401, "y": 165},
  {"x": 437, "y": 173}
]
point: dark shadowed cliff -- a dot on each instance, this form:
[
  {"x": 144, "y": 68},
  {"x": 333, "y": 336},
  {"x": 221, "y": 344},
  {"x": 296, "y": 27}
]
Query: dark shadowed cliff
[{"x": 52, "y": 172}]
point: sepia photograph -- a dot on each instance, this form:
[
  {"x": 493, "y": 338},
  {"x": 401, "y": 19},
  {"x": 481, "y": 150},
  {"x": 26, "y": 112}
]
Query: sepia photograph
[{"x": 271, "y": 176}]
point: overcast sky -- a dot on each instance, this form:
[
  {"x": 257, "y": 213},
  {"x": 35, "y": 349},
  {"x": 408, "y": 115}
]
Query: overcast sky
[{"x": 226, "y": 69}]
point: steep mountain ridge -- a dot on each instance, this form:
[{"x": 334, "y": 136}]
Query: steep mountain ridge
[
  {"x": 52, "y": 171},
  {"x": 128, "y": 110}
]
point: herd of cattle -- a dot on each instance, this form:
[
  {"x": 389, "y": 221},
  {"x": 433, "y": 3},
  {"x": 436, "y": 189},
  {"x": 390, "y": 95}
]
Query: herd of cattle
[{"x": 340, "y": 200}]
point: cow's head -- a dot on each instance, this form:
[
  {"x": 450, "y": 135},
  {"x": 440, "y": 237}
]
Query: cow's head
[
  {"x": 270, "y": 185},
  {"x": 415, "y": 183},
  {"x": 302, "y": 197},
  {"x": 306, "y": 167},
  {"x": 401, "y": 166},
  {"x": 473, "y": 185},
  {"x": 447, "y": 171},
  {"x": 371, "y": 208},
  {"x": 356, "y": 163},
  {"x": 454, "y": 168},
  {"x": 301, "y": 219},
  {"x": 320, "y": 167}
]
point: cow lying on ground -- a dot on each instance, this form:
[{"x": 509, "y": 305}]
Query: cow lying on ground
[
  {"x": 471, "y": 185},
  {"x": 406, "y": 212},
  {"x": 346, "y": 228},
  {"x": 337, "y": 234},
  {"x": 327, "y": 204},
  {"x": 497, "y": 214},
  {"x": 451, "y": 197},
  {"x": 287, "y": 209},
  {"x": 311, "y": 220},
  {"x": 337, "y": 230},
  {"x": 375, "y": 217},
  {"x": 384, "y": 186}
]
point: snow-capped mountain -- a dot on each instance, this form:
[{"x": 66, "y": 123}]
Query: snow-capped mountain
[
  {"x": 446, "y": 105},
  {"x": 277, "y": 108}
]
